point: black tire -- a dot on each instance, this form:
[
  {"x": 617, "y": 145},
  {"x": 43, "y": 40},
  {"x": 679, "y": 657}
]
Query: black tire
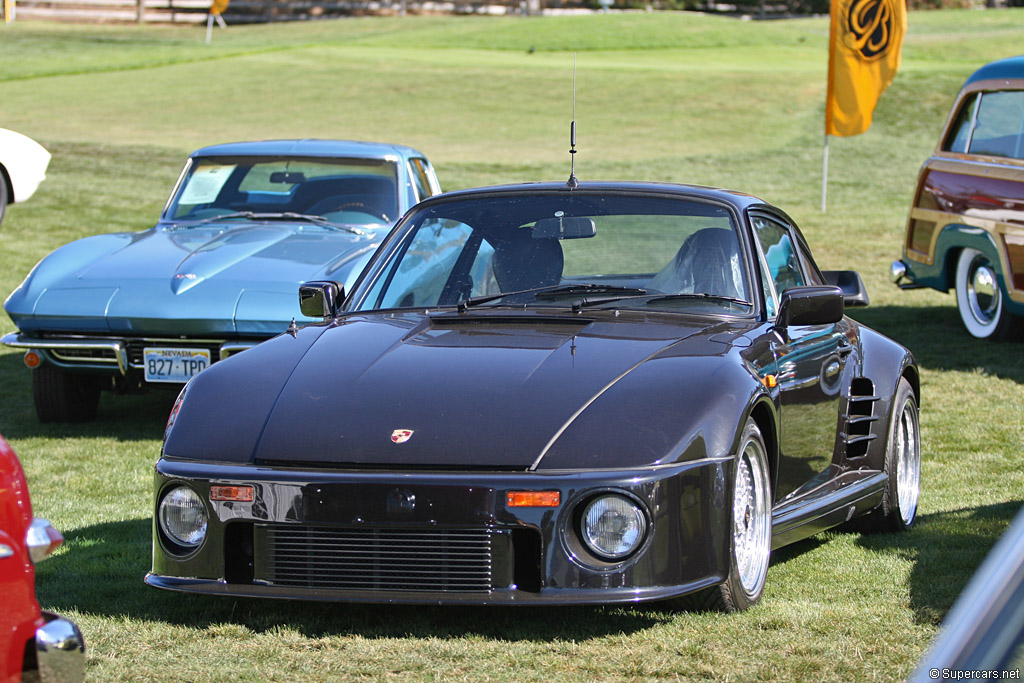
[
  {"x": 64, "y": 397},
  {"x": 979, "y": 297},
  {"x": 898, "y": 510},
  {"x": 748, "y": 566}
]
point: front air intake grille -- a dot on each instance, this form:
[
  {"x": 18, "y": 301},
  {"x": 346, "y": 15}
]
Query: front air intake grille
[{"x": 346, "y": 558}]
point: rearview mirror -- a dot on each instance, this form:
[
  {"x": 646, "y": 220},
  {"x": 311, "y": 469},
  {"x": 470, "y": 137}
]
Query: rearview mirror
[
  {"x": 564, "y": 228},
  {"x": 321, "y": 299},
  {"x": 810, "y": 306},
  {"x": 289, "y": 177}
]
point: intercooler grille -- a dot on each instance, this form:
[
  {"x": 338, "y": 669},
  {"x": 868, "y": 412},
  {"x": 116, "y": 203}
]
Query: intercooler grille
[{"x": 377, "y": 559}]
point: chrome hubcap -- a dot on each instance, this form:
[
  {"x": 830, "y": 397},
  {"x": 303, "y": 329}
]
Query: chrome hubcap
[
  {"x": 751, "y": 520},
  {"x": 983, "y": 291},
  {"x": 908, "y": 462}
]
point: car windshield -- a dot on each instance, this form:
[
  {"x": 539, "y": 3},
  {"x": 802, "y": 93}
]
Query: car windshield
[
  {"x": 564, "y": 249},
  {"x": 341, "y": 191}
]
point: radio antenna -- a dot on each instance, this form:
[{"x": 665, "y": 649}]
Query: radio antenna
[{"x": 572, "y": 183}]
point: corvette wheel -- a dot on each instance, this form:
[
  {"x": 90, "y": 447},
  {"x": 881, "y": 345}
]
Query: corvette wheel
[
  {"x": 898, "y": 510},
  {"x": 751, "y": 533},
  {"x": 62, "y": 396},
  {"x": 979, "y": 297}
]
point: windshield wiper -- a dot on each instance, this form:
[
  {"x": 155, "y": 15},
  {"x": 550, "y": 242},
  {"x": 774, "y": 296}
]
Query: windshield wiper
[
  {"x": 698, "y": 296},
  {"x": 289, "y": 215},
  {"x": 590, "y": 288},
  {"x": 553, "y": 291}
]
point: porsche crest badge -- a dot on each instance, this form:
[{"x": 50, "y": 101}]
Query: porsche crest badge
[{"x": 401, "y": 435}]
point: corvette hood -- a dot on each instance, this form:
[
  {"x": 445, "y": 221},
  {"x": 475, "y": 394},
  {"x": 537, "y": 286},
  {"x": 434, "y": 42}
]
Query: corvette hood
[
  {"x": 473, "y": 391},
  {"x": 211, "y": 279}
]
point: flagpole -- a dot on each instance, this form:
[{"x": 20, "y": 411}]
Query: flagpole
[{"x": 824, "y": 176}]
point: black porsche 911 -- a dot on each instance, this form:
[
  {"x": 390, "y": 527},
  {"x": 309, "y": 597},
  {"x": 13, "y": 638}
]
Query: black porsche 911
[{"x": 545, "y": 394}]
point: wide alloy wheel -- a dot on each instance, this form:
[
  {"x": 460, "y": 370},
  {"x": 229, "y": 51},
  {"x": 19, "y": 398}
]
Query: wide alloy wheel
[
  {"x": 979, "y": 296},
  {"x": 904, "y": 459},
  {"x": 62, "y": 396},
  {"x": 750, "y": 533},
  {"x": 751, "y": 517}
]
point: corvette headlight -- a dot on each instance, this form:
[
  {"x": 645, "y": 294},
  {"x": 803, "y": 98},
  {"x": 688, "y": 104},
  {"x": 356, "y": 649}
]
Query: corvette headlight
[
  {"x": 613, "y": 526},
  {"x": 182, "y": 517}
]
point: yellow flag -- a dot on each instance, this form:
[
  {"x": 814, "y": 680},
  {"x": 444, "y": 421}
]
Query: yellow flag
[{"x": 865, "y": 46}]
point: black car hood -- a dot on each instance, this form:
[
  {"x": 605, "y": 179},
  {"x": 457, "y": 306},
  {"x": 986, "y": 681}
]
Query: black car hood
[{"x": 485, "y": 390}]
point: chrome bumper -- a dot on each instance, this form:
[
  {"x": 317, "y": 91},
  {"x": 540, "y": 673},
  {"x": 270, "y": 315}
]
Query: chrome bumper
[
  {"x": 60, "y": 650},
  {"x": 109, "y": 352}
]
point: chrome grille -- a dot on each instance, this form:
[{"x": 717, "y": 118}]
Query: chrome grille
[{"x": 429, "y": 559}]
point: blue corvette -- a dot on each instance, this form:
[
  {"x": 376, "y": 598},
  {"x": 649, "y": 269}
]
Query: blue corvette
[{"x": 245, "y": 225}]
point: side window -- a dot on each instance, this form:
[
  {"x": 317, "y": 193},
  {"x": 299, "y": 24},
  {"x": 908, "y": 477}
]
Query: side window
[
  {"x": 999, "y": 124},
  {"x": 419, "y": 276},
  {"x": 779, "y": 260},
  {"x": 419, "y": 171},
  {"x": 960, "y": 133}
]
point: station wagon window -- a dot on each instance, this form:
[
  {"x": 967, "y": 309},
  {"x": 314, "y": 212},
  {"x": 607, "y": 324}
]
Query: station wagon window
[
  {"x": 779, "y": 260},
  {"x": 990, "y": 123}
]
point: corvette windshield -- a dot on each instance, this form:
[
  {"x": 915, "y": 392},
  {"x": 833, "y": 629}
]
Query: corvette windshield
[
  {"x": 582, "y": 250},
  {"x": 339, "y": 191}
]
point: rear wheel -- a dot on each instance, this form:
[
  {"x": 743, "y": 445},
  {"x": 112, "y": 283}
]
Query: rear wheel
[
  {"x": 62, "y": 396},
  {"x": 751, "y": 532},
  {"x": 979, "y": 297}
]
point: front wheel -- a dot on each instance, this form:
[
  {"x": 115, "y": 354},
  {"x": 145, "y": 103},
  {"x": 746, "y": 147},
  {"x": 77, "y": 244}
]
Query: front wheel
[
  {"x": 979, "y": 297},
  {"x": 62, "y": 396},
  {"x": 751, "y": 532}
]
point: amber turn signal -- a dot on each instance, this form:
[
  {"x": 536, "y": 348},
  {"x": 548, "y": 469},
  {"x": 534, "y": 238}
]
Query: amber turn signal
[
  {"x": 533, "y": 499},
  {"x": 237, "y": 494},
  {"x": 32, "y": 359}
]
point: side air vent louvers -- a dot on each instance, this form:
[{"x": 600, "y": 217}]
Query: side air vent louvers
[{"x": 859, "y": 420}]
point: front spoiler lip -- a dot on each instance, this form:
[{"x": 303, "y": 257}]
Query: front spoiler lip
[{"x": 506, "y": 596}]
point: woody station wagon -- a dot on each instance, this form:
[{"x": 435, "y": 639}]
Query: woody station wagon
[{"x": 966, "y": 226}]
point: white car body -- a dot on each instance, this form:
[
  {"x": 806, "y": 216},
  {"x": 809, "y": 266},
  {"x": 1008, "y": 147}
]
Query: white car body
[{"x": 23, "y": 163}]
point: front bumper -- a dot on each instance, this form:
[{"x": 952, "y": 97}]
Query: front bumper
[
  {"x": 60, "y": 650},
  {"x": 336, "y": 535},
  {"x": 119, "y": 356}
]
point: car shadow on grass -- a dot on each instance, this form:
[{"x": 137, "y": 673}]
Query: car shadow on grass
[
  {"x": 101, "y": 568},
  {"x": 946, "y": 548},
  {"x": 939, "y": 341}
]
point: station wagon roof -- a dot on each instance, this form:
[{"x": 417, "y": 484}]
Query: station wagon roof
[
  {"x": 1010, "y": 68},
  {"x": 309, "y": 147}
]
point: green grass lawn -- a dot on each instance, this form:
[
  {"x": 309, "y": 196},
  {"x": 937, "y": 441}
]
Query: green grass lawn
[{"x": 678, "y": 97}]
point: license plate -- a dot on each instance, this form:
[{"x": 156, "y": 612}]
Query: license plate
[{"x": 174, "y": 365}]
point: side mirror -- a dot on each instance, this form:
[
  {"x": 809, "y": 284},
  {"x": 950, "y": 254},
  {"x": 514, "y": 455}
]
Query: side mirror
[
  {"x": 321, "y": 299},
  {"x": 810, "y": 306},
  {"x": 854, "y": 291}
]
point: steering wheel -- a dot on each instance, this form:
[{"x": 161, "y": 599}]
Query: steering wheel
[{"x": 362, "y": 207}]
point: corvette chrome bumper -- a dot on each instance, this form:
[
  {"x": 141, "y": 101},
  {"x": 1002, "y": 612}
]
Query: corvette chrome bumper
[{"x": 109, "y": 352}]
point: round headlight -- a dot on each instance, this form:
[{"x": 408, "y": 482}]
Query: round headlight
[
  {"x": 183, "y": 517},
  {"x": 613, "y": 526}
]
